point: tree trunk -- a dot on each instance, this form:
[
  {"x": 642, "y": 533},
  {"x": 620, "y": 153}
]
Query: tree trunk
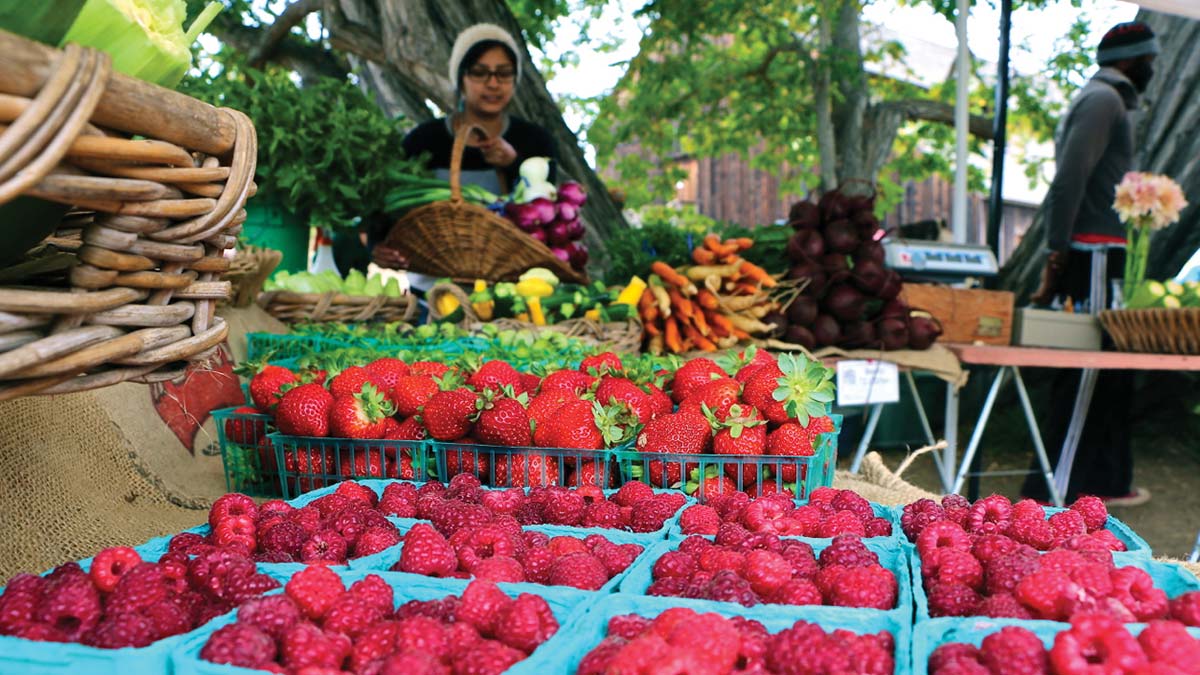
[{"x": 416, "y": 36}]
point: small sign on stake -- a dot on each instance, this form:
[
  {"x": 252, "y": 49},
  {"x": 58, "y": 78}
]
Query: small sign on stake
[{"x": 865, "y": 382}]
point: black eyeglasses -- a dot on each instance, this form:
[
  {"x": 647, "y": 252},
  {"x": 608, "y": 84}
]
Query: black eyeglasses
[{"x": 483, "y": 75}]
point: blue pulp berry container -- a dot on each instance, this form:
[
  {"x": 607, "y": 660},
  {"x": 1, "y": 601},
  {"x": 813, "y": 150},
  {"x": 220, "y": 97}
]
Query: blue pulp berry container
[
  {"x": 1136, "y": 548},
  {"x": 567, "y": 648},
  {"x": 892, "y": 556},
  {"x": 1171, "y": 578},
  {"x": 566, "y": 604},
  {"x": 886, "y": 512}
]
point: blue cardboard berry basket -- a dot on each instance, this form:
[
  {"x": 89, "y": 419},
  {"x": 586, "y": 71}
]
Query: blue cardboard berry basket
[
  {"x": 1174, "y": 579},
  {"x": 1136, "y": 548},
  {"x": 881, "y": 511},
  {"x": 565, "y": 603},
  {"x": 567, "y": 648},
  {"x": 892, "y": 556}
]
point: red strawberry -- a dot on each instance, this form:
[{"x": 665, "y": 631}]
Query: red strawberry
[
  {"x": 386, "y": 373},
  {"x": 789, "y": 440},
  {"x": 430, "y": 368},
  {"x": 718, "y": 396},
  {"x": 543, "y": 407},
  {"x": 713, "y": 482},
  {"x": 408, "y": 430},
  {"x": 447, "y": 414},
  {"x": 589, "y": 473},
  {"x": 304, "y": 411},
  {"x": 660, "y": 402},
  {"x": 361, "y": 415},
  {"x": 693, "y": 375},
  {"x": 267, "y": 386},
  {"x": 526, "y": 471},
  {"x": 681, "y": 432},
  {"x": 587, "y": 425},
  {"x": 759, "y": 389},
  {"x": 502, "y": 421},
  {"x": 411, "y": 392},
  {"x": 601, "y": 363},
  {"x": 349, "y": 381},
  {"x": 805, "y": 390},
  {"x": 242, "y": 430},
  {"x": 743, "y": 432},
  {"x": 620, "y": 390},
  {"x": 570, "y": 381},
  {"x": 495, "y": 375}
]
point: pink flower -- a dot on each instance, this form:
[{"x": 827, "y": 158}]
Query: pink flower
[{"x": 1148, "y": 200}]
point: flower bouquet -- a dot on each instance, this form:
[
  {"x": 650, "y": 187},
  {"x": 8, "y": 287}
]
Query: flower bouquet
[{"x": 1145, "y": 202}]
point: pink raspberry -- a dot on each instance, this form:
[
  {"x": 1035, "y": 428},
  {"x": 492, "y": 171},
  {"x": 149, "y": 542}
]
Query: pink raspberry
[
  {"x": 617, "y": 557},
  {"x": 953, "y": 566},
  {"x": 917, "y": 515},
  {"x": 1170, "y": 642},
  {"x": 314, "y": 589},
  {"x": 1091, "y": 548},
  {"x": 632, "y": 492},
  {"x": 942, "y": 534},
  {"x": 868, "y": 587},
  {"x": 849, "y": 500},
  {"x": 537, "y": 563},
  {"x": 800, "y": 556},
  {"x": 1096, "y": 644},
  {"x": 139, "y": 587},
  {"x": 1135, "y": 589},
  {"x": 1062, "y": 560},
  {"x": 71, "y": 604},
  {"x": 399, "y": 500},
  {"x": 350, "y": 615},
  {"x": 731, "y": 534},
  {"x": 239, "y": 644},
  {"x": 1109, "y": 539},
  {"x": 465, "y": 487},
  {"x": 695, "y": 545},
  {"x": 953, "y": 652},
  {"x": 1047, "y": 593},
  {"x": 1093, "y": 510},
  {"x": 1003, "y": 605},
  {"x": 990, "y": 515},
  {"x": 124, "y": 629},
  {"x": 879, "y": 527},
  {"x": 699, "y": 519},
  {"x": 842, "y": 523},
  {"x": 273, "y": 615},
  {"x": 796, "y": 592},
  {"x": 1028, "y": 509},
  {"x": 1002, "y": 574},
  {"x": 1186, "y": 609},
  {"x": 1014, "y": 651},
  {"x": 184, "y": 542},
  {"x": 727, "y": 586},
  {"x": 952, "y": 600},
  {"x": 848, "y": 550},
  {"x": 498, "y": 568},
  {"x": 304, "y": 645},
  {"x": 604, "y": 514},
  {"x": 579, "y": 570},
  {"x": 650, "y": 514},
  {"x": 1067, "y": 524},
  {"x": 1032, "y": 531},
  {"x": 375, "y": 591}
]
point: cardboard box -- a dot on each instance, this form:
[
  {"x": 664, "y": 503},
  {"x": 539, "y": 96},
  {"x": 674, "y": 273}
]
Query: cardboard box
[
  {"x": 1061, "y": 330},
  {"x": 967, "y": 315}
]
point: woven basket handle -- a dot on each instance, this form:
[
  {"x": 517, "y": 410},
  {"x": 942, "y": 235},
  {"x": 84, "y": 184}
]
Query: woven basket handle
[{"x": 456, "y": 157}]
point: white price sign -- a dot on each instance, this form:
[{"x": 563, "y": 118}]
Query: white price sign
[{"x": 867, "y": 382}]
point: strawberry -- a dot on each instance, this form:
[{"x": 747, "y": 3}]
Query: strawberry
[
  {"x": 600, "y": 364},
  {"x": 789, "y": 440},
  {"x": 349, "y": 382},
  {"x": 361, "y": 415},
  {"x": 530, "y": 383},
  {"x": 571, "y": 381},
  {"x": 718, "y": 396},
  {"x": 759, "y": 389},
  {"x": 526, "y": 471},
  {"x": 243, "y": 431},
  {"x": 362, "y": 463},
  {"x": 743, "y": 432},
  {"x": 747, "y": 363},
  {"x": 805, "y": 390},
  {"x": 680, "y": 432},
  {"x": 587, "y": 425},
  {"x": 464, "y": 460},
  {"x": 304, "y": 411},
  {"x": 411, "y": 392},
  {"x": 447, "y": 414},
  {"x": 589, "y": 473},
  {"x": 305, "y": 462},
  {"x": 692, "y": 375},
  {"x": 386, "y": 372},
  {"x": 546, "y": 404},
  {"x": 430, "y": 368},
  {"x": 712, "y": 482},
  {"x": 502, "y": 420},
  {"x": 620, "y": 390},
  {"x": 408, "y": 430},
  {"x": 267, "y": 386},
  {"x": 495, "y": 375},
  {"x": 660, "y": 401}
]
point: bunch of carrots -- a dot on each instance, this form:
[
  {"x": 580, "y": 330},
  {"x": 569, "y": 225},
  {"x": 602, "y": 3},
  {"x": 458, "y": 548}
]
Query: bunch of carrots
[{"x": 714, "y": 304}]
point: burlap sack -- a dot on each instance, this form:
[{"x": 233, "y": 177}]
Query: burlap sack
[{"x": 878, "y": 484}]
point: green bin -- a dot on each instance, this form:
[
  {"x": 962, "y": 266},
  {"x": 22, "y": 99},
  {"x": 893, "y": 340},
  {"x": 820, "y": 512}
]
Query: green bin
[{"x": 269, "y": 225}]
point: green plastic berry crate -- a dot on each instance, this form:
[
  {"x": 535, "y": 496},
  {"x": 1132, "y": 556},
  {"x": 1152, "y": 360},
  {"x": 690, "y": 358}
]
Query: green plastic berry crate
[
  {"x": 678, "y": 470},
  {"x": 288, "y": 346},
  {"x": 307, "y": 463},
  {"x": 569, "y": 646},
  {"x": 504, "y": 466},
  {"x": 247, "y": 455},
  {"x": 566, "y": 604}
]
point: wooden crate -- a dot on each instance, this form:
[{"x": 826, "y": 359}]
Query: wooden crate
[{"x": 967, "y": 315}]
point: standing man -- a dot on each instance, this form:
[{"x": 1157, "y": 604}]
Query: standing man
[{"x": 1094, "y": 148}]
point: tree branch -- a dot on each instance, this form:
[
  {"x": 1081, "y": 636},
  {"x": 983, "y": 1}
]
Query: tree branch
[
  {"x": 937, "y": 111},
  {"x": 352, "y": 36},
  {"x": 290, "y": 18},
  {"x": 307, "y": 59}
]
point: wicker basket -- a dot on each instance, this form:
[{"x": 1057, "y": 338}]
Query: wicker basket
[
  {"x": 249, "y": 271},
  {"x": 144, "y": 252},
  {"x": 465, "y": 241},
  {"x": 291, "y": 307},
  {"x": 620, "y": 336},
  {"x": 1155, "y": 331}
]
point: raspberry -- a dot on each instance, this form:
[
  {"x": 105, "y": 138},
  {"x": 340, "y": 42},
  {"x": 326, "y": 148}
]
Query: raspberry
[
  {"x": 796, "y": 592},
  {"x": 17, "y": 607},
  {"x": 849, "y": 500},
  {"x": 1185, "y": 608},
  {"x": 731, "y": 534},
  {"x": 942, "y": 534},
  {"x": 307, "y": 517},
  {"x": 1109, "y": 539},
  {"x": 314, "y": 589},
  {"x": 399, "y": 500},
  {"x": 953, "y": 566},
  {"x": 717, "y": 559},
  {"x": 411, "y": 663},
  {"x": 800, "y": 556},
  {"x": 376, "y": 539},
  {"x": 767, "y": 571},
  {"x": 427, "y": 552},
  {"x": 452, "y": 516},
  {"x": 238, "y": 589},
  {"x": 27, "y": 583},
  {"x": 632, "y": 492},
  {"x": 421, "y": 634},
  {"x": 669, "y": 587},
  {"x": 871, "y": 586},
  {"x": 481, "y": 606},
  {"x": 231, "y": 505},
  {"x": 1135, "y": 589},
  {"x": 699, "y": 519},
  {"x": 990, "y": 515},
  {"x": 141, "y": 586},
  {"x": 373, "y": 589},
  {"x": 1061, "y": 560},
  {"x": 350, "y": 615},
  {"x": 331, "y": 504},
  {"x": 604, "y": 514},
  {"x": 1014, "y": 651},
  {"x": 563, "y": 545},
  {"x": 727, "y": 586},
  {"x": 70, "y": 604},
  {"x": 953, "y": 652},
  {"x": 498, "y": 568},
  {"x": 111, "y": 564},
  {"x": 917, "y": 515},
  {"x": 488, "y": 657},
  {"x": 124, "y": 629},
  {"x": 674, "y": 564},
  {"x": 537, "y": 563},
  {"x": 1095, "y": 644},
  {"x": 695, "y": 545},
  {"x": 1067, "y": 524},
  {"x": 1093, "y": 510},
  {"x": 617, "y": 557},
  {"x": 465, "y": 487},
  {"x": 879, "y": 527},
  {"x": 40, "y": 632},
  {"x": 357, "y": 491},
  {"x": 304, "y": 645},
  {"x": 1032, "y": 531},
  {"x": 273, "y": 615},
  {"x": 1003, "y": 605},
  {"x": 952, "y": 600},
  {"x": 842, "y": 523},
  {"x": 1093, "y": 578},
  {"x": 325, "y": 547},
  {"x": 285, "y": 537},
  {"x": 1046, "y": 594},
  {"x": 239, "y": 644},
  {"x": 579, "y": 570},
  {"x": 650, "y": 514},
  {"x": 526, "y": 623},
  {"x": 167, "y": 618},
  {"x": 443, "y": 610},
  {"x": 1001, "y": 575},
  {"x": 848, "y": 550},
  {"x": 1170, "y": 642}
]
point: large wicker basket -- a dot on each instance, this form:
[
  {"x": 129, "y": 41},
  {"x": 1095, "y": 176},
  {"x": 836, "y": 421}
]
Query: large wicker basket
[
  {"x": 291, "y": 307},
  {"x": 620, "y": 336},
  {"x": 248, "y": 271},
  {"x": 143, "y": 254},
  {"x": 1156, "y": 331},
  {"x": 465, "y": 241}
]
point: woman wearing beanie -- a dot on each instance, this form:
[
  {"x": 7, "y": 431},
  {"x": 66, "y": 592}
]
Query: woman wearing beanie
[{"x": 485, "y": 67}]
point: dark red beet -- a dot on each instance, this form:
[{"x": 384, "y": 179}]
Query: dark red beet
[
  {"x": 891, "y": 285},
  {"x": 799, "y": 335},
  {"x": 894, "y": 308},
  {"x": 802, "y": 311},
  {"x": 805, "y": 245},
  {"x": 814, "y": 273},
  {"x": 778, "y": 320},
  {"x": 841, "y": 236},
  {"x": 857, "y": 334},
  {"x": 870, "y": 250},
  {"x": 803, "y": 215},
  {"x": 893, "y": 333},
  {"x": 868, "y": 276},
  {"x": 835, "y": 263},
  {"x": 844, "y": 302},
  {"x": 923, "y": 331},
  {"x": 826, "y": 330},
  {"x": 834, "y": 206},
  {"x": 865, "y": 222}
]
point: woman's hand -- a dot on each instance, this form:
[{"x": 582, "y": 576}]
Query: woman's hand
[
  {"x": 498, "y": 152},
  {"x": 387, "y": 257}
]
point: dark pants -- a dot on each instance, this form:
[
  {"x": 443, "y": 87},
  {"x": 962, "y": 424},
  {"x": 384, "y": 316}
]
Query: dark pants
[{"x": 1104, "y": 458}]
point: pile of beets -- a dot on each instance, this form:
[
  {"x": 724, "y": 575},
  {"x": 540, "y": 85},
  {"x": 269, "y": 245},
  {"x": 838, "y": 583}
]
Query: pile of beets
[{"x": 851, "y": 299}]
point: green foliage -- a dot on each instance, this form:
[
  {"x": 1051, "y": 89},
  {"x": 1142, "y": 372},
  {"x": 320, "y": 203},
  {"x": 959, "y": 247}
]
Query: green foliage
[{"x": 325, "y": 150}]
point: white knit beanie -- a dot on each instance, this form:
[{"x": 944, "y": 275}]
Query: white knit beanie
[{"x": 473, "y": 36}]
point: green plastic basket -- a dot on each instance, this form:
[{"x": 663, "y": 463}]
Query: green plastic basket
[
  {"x": 246, "y": 452},
  {"x": 307, "y": 463},
  {"x": 504, "y": 466}
]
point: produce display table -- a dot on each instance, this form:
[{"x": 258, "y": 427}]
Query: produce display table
[{"x": 1011, "y": 360}]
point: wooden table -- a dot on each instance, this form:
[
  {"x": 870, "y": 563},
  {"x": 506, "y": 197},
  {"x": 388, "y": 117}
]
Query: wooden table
[{"x": 1009, "y": 360}]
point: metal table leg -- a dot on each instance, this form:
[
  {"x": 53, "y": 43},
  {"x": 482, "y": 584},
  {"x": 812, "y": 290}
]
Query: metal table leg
[
  {"x": 1038, "y": 445},
  {"x": 923, "y": 417},
  {"x": 1195, "y": 556},
  {"x": 868, "y": 434},
  {"x": 951, "y": 435},
  {"x": 977, "y": 434}
]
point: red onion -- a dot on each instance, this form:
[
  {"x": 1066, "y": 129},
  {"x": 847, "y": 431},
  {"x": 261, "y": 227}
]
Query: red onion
[
  {"x": 561, "y": 253},
  {"x": 557, "y": 234},
  {"x": 575, "y": 230},
  {"x": 572, "y": 193},
  {"x": 577, "y": 255},
  {"x": 539, "y": 234},
  {"x": 566, "y": 211},
  {"x": 545, "y": 210}
]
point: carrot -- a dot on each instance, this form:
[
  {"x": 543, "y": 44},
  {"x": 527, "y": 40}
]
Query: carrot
[
  {"x": 745, "y": 288},
  {"x": 700, "y": 272},
  {"x": 731, "y": 259},
  {"x": 748, "y": 324},
  {"x": 713, "y": 243},
  {"x": 669, "y": 274},
  {"x": 757, "y": 273},
  {"x": 727, "y": 342},
  {"x": 719, "y": 323},
  {"x": 701, "y": 324},
  {"x": 671, "y": 336},
  {"x": 707, "y": 300},
  {"x": 741, "y": 334},
  {"x": 651, "y": 328},
  {"x": 681, "y": 305},
  {"x": 656, "y": 345},
  {"x": 742, "y": 243},
  {"x": 703, "y": 256},
  {"x": 741, "y": 302},
  {"x": 660, "y": 295},
  {"x": 646, "y": 301},
  {"x": 650, "y": 314},
  {"x": 697, "y": 339}
]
